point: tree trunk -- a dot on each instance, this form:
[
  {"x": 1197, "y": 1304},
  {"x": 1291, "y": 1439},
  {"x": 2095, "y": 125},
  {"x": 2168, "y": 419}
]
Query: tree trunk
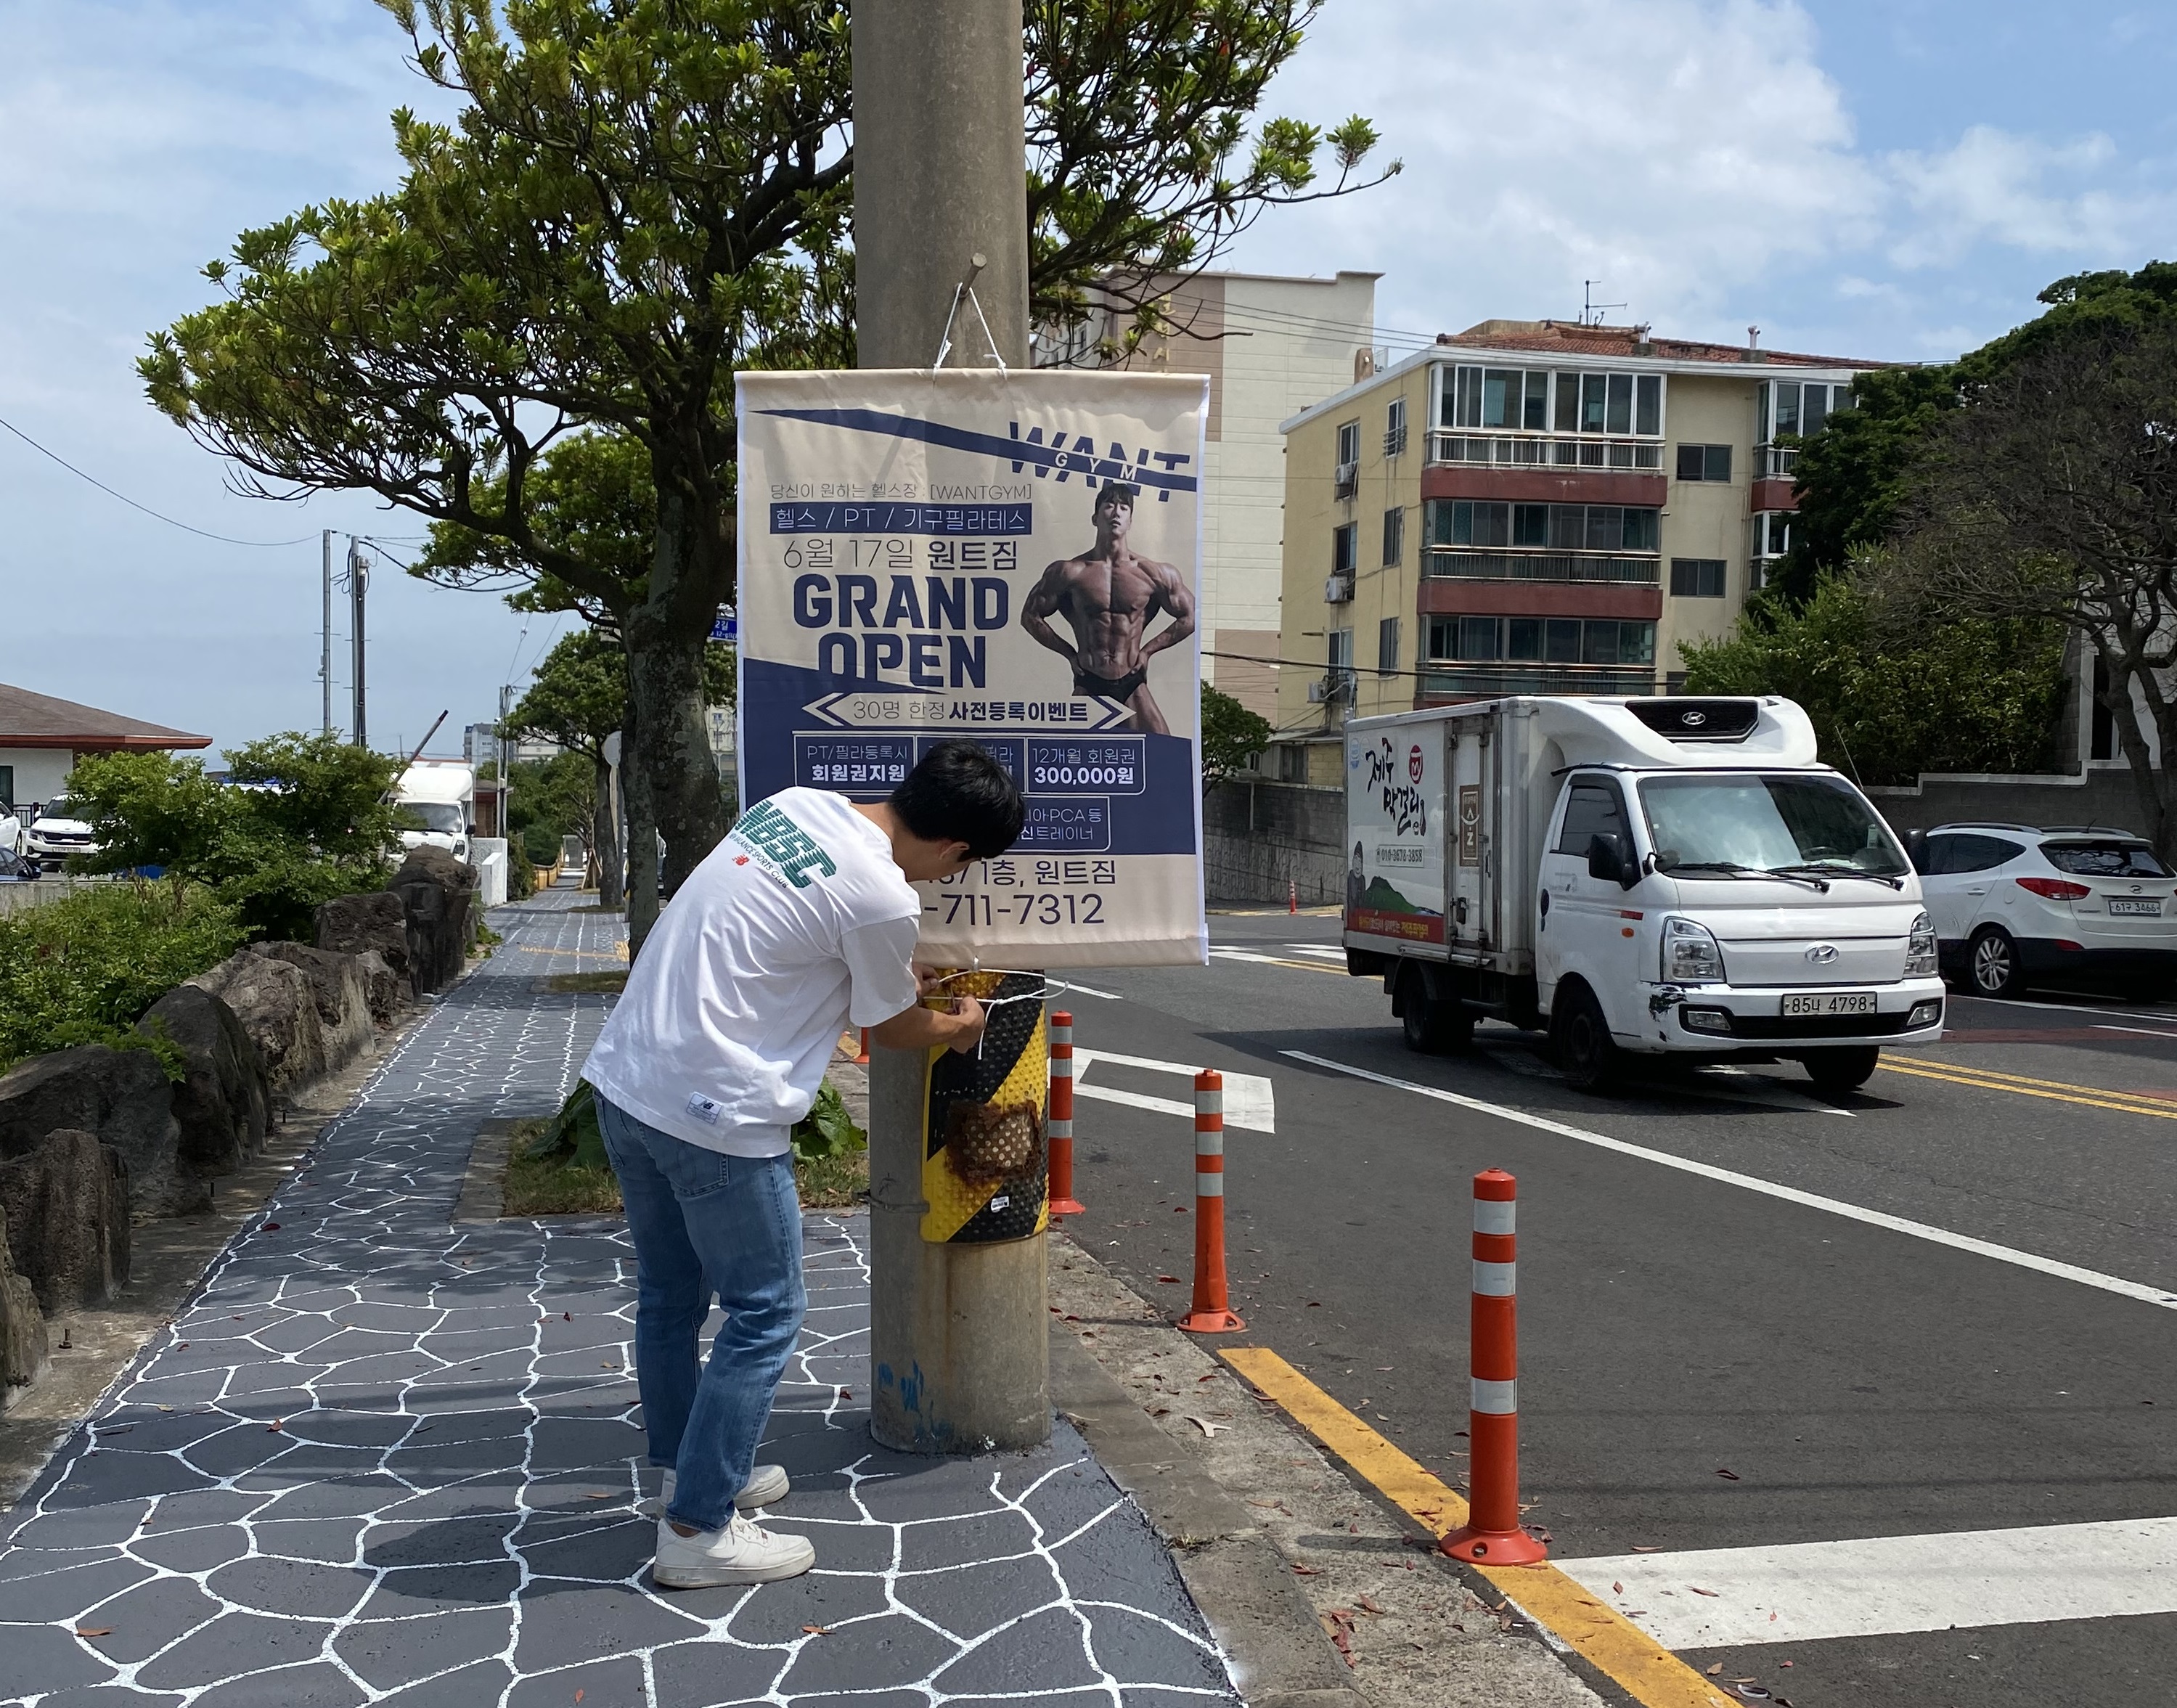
[
  {"x": 604, "y": 842},
  {"x": 666, "y": 745},
  {"x": 2146, "y": 780}
]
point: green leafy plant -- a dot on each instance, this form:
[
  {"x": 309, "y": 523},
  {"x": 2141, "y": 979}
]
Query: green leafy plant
[
  {"x": 82, "y": 970},
  {"x": 573, "y": 1136},
  {"x": 1231, "y": 736},
  {"x": 828, "y": 1130}
]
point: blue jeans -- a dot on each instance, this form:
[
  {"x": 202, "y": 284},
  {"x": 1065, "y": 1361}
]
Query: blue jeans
[{"x": 704, "y": 1222}]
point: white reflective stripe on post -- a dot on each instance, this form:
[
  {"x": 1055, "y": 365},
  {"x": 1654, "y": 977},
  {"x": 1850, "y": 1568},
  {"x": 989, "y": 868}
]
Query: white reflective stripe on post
[
  {"x": 1495, "y": 1216},
  {"x": 1208, "y": 1143},
  {"x": 1061, "y": 1128},
  {"x": 1208, "y": 1102},
  {"x": 1062, "y": 1068},
  {"x": 1495, "y": 1281},
  {"x": 1495, "y": 1399},
  {"x": 1209, "y": 1185}
]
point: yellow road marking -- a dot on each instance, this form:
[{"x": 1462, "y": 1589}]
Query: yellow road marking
[
  {"x": 1609, "y": 1642},
  {"x": 2153, "y": 1106}
]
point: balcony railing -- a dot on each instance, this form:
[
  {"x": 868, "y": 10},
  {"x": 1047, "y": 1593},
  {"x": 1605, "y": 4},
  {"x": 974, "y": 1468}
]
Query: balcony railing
[
  {"x": 1489, "y": 680},
  {"x": 1456, "y": 565},
  {"x": 1545, "y": 450},
  {"x": 1773, "y": 461}
]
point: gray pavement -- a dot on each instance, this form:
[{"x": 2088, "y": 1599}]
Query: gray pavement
[{"x": 382, "y": 1458}]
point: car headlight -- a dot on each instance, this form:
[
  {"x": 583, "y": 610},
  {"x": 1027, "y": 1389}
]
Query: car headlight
[
  {"x": 1690, "y": 955},
  {"x": 1920, "y": 948}
]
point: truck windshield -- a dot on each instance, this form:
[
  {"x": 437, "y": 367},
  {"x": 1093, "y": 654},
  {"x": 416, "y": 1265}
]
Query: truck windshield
[
  {"x": 1780, "y": 821},
  {"x": 442, "y": 817}
]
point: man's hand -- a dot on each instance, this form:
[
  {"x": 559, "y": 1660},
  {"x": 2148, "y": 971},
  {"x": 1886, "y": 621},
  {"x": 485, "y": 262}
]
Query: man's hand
[
  {"x": 959, "y": 1028},
  {"x": 972, "y": 1018}
]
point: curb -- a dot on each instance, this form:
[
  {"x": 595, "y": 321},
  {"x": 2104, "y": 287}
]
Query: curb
[{"x": 1279, "y": 1655}]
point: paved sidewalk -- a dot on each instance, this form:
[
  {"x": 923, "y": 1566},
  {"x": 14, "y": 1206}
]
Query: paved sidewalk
[{"x": 382, "y": 1458}]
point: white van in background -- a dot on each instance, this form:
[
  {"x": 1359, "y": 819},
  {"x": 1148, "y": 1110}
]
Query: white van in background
[{"x": 437, "y": 800}]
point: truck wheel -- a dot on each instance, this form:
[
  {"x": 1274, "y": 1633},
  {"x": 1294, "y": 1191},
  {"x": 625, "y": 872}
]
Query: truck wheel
[
  {"x": 1991, "y": 967},
  {"x": 1579, "y": 1036},
  {"x": 1841, "y": 1070},
  {"x": 1432, "y": 1028}
]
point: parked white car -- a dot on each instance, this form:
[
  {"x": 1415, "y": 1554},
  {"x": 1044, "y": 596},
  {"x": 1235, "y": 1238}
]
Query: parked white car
[
  {"x": 2015, "y": 904},
  {"x": 54, "y": 834},
  {"x": 11, "y": 831}
]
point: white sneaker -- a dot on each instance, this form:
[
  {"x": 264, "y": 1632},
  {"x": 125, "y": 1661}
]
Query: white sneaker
[
  {"x": 767, "y": 1486},
  {"x": 743, "y": 1552}
]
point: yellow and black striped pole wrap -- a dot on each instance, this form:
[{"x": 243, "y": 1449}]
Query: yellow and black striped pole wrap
[{"x": 985, "y": 1168}]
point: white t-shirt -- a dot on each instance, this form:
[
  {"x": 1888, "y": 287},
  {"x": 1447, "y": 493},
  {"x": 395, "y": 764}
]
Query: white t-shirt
[{"x": 798, "y": 926}]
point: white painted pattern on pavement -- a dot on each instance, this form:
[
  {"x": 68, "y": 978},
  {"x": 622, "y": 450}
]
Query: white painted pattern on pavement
[
  {"x": 1899, "y": 1225},
  {"x": 1882, "y": 1585},
  {"x": 1249, "y": 1102}
]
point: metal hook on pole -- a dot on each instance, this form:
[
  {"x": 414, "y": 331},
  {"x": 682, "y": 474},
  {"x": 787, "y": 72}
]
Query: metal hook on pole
[{"x": 966, "y": 288}]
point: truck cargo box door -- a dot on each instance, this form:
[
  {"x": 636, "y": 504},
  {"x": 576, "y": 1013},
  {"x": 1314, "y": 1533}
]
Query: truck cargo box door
[{"x": 1395, "y": 832}]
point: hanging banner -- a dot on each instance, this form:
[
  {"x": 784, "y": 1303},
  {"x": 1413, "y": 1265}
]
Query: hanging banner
[{"x": 1009, "y": 557}]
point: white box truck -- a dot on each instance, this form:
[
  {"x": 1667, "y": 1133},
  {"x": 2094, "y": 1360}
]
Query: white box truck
[
  {"x": 1675, "y": 876},
  {"x": 437, "y": 800}
]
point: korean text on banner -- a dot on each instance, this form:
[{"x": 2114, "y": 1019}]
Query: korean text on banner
[{"x": 1009, "y": 557}]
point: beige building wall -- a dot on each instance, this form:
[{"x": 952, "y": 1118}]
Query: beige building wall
[{"x": 1706, "y": 519}]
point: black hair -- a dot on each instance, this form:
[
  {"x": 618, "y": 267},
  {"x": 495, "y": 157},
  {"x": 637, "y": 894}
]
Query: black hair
[
  {"x": 1117, "y": 489},
  {"x": 960, "y": 794}
]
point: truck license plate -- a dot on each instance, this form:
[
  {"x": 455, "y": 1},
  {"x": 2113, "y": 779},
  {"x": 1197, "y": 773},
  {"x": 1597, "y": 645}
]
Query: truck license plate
[
  {"x": 2152, "y": 910},
  {"x": 1832, "y": 1002}
]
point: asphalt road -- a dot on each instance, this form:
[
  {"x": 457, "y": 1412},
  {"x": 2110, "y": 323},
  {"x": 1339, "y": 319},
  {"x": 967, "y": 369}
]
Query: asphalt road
[{"x": 1857, "y": 1381}]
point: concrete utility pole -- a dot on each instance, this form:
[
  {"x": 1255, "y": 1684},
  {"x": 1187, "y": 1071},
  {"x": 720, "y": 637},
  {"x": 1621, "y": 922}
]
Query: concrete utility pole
[
  {"x": 325, "y": 635},
  {"x": 941, "y": 200},
  {"x": 358, "y": 584},
  {"x": 506, "y": 750}
]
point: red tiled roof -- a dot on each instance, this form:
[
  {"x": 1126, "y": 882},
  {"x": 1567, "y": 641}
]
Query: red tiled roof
[
  {"x": 38, "y": 720},
  {"x": 1624, "y": 340}
]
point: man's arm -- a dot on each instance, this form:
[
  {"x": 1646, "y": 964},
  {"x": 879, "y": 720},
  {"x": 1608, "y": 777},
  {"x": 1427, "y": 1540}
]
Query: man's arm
[
  {"x": 922, "y": 1028},
  {"x": 1043, "y": 601},
  {"x": 1177, "y": 597}
]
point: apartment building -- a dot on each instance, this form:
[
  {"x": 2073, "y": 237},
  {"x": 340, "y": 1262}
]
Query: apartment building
[
  {"x": 1531, "y": 507},
  {"x": 1272, "y": 346}
]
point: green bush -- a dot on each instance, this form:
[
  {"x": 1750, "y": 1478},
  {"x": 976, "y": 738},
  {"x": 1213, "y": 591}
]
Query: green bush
[
  {"x": 521, "y": 875},
  {"x": 83, "y": 968},
  {"x": 541, "y": 842},
  {"x": 313, "y": 823}
]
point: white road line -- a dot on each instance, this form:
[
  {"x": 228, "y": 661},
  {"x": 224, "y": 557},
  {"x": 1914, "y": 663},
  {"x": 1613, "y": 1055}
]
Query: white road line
[
  {"x": 1809, "y": 1591},
  {"x": 1896, "y": 1225},
  {"x": 1759, "y": 1089},
  {"x": 1249, "y": 1101},
  {"x": 2060, "y": 1007},
  {"x": 1086, "y": 990},
  {"x": 2143, "y": 1031},
  {"x": 1318, "y": 951}
]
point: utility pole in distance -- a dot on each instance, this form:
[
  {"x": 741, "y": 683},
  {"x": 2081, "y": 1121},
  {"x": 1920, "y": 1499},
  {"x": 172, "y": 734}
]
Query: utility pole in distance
[
  {"x": 325, "y": 635},
  {"x": 941, "y": 199},
  {"x": 358, "y": 584}
]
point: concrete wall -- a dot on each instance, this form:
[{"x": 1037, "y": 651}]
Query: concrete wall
[
  {"x": 2103, "y": 795},
  {"x": 1705, "y": 518},
  {"x": 39, "y": 771},
  {"x": 1257, "y": 838}
]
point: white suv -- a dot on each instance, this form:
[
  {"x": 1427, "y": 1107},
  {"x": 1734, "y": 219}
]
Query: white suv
[{"x": 2015, "y": 903}]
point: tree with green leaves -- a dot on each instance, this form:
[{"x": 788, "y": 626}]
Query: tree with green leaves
[
  {"x": 634, "y": 201},
  {"x": 578, "y": 698},
  {"x": 1965, "y": 694},
  {"x": 1231, "y": 736}
]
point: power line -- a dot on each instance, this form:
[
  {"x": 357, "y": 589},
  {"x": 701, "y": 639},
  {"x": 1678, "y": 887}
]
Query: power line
[{"x": 224, "y": 539}]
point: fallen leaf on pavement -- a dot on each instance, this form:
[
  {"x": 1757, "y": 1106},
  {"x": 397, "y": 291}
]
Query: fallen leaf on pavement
[
  {"x": 1211, "y": 1377},
  {"x": 1205, "y": 1426},
  {"x": 1308, "y": 1571},
  {"x": 1169, "y": 1280},
  {"x": 578, "y": 1695},
  {"x": 1646, "y": 1548},
  {"x": 1368, "y": 1605},
  {"x": 1732, "y": 1475},
  {"x": 1617, "y": 1589},
  {"x": 818, "y": 1630},
  {"x": 1713, "y": 1670},
  {"x": 94, "y": 1630},
  {"x": 273, "y": 1427},
  {"x": 567, "y": 1316},
  {"x": 597, "y": 1497},
  {"x": 1712, "y": 1595}
]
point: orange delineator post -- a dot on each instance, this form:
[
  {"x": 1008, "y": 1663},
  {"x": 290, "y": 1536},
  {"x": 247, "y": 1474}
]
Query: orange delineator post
[
  {"x": 862, "y": 1060},
  {"x": 1213, "y": 1312},
  {"x": 1292, "y": 896},
  {"x": 1493, "y": 1534},
  {"x": 1059, "y": 1127}
]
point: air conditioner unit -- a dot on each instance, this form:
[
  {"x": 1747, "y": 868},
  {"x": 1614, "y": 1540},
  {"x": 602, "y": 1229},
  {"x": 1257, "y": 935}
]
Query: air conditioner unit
[
  {"x": 1329, "y": 690},
  {"x": 1319, "y": 691},
  {"x": 1347, "y": 478},
  {"x": 1337, "y": 590}
]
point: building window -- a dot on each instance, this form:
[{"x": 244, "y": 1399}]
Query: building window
[
  {"x": 1394, "y": 536},
  {"x": 7, "y": 789},
  {"x": 1565, "y": 527},
  {"x": 1536, "y": 400},
  {"x": 1394, "y": 427},
  {"x": 1797, "y": 407},
  {"x": 1337, "y": 653},
  {"x": 1705, "y": 462},
  {"x": 1344, "y": 548},
  {"x": 1541, "y": 639},
  {"x": 1387, "y": 644},
  {"x": 1348, "y": 445},
  {"x": 1697, "y": 578},
  {"x": 1292, "y": 762}
]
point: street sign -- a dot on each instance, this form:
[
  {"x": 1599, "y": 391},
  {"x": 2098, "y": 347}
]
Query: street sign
[
  {"x": 1007, "y": 557},
  {"x": 726, "y": 626}
]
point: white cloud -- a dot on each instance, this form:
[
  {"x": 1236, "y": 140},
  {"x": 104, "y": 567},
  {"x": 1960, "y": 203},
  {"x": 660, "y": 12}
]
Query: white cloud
[{"x": 1693, "y": 155}]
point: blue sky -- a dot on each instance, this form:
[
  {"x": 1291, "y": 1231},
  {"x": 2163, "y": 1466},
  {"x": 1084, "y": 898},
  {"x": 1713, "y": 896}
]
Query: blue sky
[{"x": 1890, "y": 180}]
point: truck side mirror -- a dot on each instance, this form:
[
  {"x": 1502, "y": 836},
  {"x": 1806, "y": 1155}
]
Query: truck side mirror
[
  {"x": 1916, "y": 849},
  {"x": 1609, "y": 860}
]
